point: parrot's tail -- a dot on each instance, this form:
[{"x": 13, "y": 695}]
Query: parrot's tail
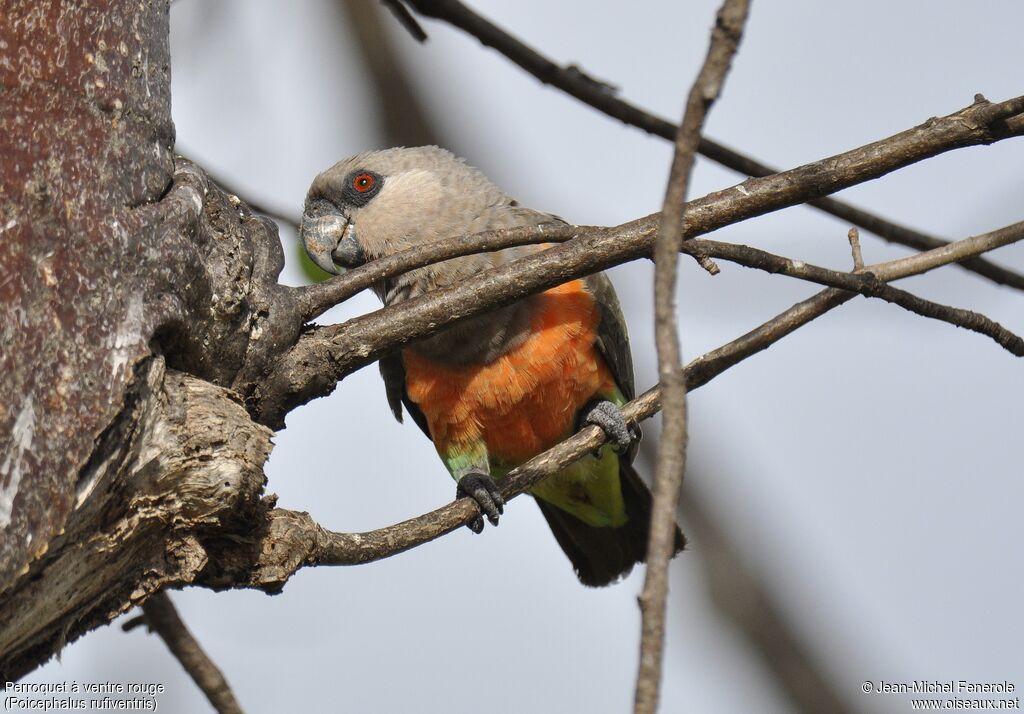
[{"x": 599, "y": 555}]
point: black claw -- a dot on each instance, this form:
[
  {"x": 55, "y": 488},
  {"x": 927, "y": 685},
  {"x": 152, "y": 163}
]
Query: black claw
[
  {"x": 634, "y": 432},
  {"x": 609, "y": 417},
  {"x": 482, "y": 489}
]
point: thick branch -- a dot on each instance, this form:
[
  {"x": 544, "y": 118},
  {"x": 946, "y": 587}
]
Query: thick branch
[
  {"x": 184, "y": 461},
  {"x": 324, "y": 355},
  {"x": 600, "y": 96}
]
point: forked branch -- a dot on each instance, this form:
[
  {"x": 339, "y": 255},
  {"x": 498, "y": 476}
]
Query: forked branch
[
  {"x": 291, "y": 540},
  {"x": 324, "y": 355}
]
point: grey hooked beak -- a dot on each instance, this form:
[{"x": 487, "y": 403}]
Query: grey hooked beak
[{"x": 331, "y": 243}]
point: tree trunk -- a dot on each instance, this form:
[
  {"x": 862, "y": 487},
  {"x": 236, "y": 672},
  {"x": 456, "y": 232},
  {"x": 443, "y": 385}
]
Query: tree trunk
[{"x": 139, "y": 302}]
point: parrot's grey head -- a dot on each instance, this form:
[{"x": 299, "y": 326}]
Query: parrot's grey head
[{"x": 382, "y": 202}]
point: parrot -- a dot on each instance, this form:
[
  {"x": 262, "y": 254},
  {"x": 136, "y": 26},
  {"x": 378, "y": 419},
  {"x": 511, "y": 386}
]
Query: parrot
[{"x": 494, "y": 390}]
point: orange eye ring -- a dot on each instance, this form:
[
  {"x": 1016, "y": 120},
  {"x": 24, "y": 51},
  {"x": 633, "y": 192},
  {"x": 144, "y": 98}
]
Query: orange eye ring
[{"x": 363, "y": 182}]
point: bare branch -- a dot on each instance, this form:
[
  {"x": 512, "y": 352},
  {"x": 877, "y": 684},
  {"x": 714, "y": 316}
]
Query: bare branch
[
  {"x": 576, "y": 83},
  {"x": 714, "y": 362},
  {"x": 256, "y": 206},
  {"x": 671, "y": 461},
  {"x": 868, "y": 284},
  {"x": 405, "y": 19},
  {"x": 966, "y": 319},
  {"x": 324, "y": 355},
  {"x": 317, "y": 299},
  {"x": 858, "y": 257},
  {"x": 291, "y": 540},
  {"x": 162, "y": 618}
]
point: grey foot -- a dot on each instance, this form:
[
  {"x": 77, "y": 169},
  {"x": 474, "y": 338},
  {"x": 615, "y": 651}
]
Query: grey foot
[
  {"x": 609, "y": 417},
  {"x": 482, "y": 489}
]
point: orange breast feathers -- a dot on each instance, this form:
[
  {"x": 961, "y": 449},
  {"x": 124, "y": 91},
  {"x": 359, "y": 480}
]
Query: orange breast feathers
[{"x": 526, "y": 400}]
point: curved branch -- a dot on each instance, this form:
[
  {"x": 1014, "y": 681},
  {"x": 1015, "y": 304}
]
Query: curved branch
[
  {"x": 314, "y": 300},
  {"x": 290, "y": 540},
  {"x": 317, "y": 299},
  {"x": 321, "y": 357},
  {"x": 600, "y": 96},
  {"x": 324, "y": 295}
]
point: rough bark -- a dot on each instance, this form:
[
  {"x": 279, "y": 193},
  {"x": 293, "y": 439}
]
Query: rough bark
[
  {"x": 113, "y": 252},
  {"x": 85, "y": 124},
  {"x": 183, "y": 460}
]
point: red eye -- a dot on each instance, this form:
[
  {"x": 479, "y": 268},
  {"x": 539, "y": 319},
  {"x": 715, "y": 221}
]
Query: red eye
[{"x": 363, "y": 183}]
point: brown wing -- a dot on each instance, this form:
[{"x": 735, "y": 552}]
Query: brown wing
[
  {"x": 612, "y": 339},
  {"x": 393, "y": 372}
]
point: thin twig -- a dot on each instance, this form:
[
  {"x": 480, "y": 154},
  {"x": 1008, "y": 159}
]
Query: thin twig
[
  {"x": 405, "y": 19},
  {"x": 318, "y": 299},
  {"x": 671, "y": 462},
  {"x": 967, "y": 319},
  {"x": 576, "y": 83},
  {"x": 858, "y": 257},
  {"x": 865, "y": 283},
  {"x": 163, "y": 619}
]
